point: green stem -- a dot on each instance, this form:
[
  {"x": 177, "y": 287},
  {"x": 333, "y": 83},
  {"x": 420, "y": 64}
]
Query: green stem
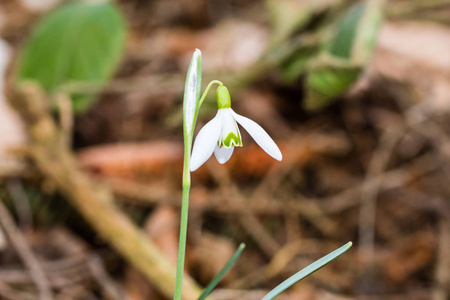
[
  {"x": 207, "y": 90},
  {"x": 185, "y": 201},
  {"x": 184, "y": 219}
]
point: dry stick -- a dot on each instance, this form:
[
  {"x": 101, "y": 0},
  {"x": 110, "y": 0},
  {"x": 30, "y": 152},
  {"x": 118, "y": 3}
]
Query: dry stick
[
  {"x": 410, "y": 9},
  {"x": 56, "y": 161},
  {"x": 369, "y": 194},
  {"x": 61, "y": 273},
  {"x": 442, "y": 272},
  {"x": 19, "y": 197},
  {"x": 66, "y": 117},
  {"x": 8, "y": 293},
  {"x": 272, "y": 180},
  {"x": 227, "y": 294},
  {"x": 309, "y": 209},
  {"x": 280, "y": 261},
  {"x": 389, "y": 180},
  {"x": 19, "y": 242},
  {"x": 434, "y": 132},
  {"x": 143, "y": 195},
  {"x": 110, "y": 289},
  {"x": 247, "y": 219}
]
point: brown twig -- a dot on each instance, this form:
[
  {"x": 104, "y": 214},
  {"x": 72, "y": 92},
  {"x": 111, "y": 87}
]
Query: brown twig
[
  {"x": 60, "y": 273},
  {"x": 96, "y": 204},
  {"x": 248, "y": 220},
  {"x": 19, "y": 197},
  {"x": 389, "y": 180},
  {"x": 311, "y": 207},
  {"x": 442, "y": 272},
  {"x": 110, "y": 288},
  {"x": 280, "y": 261},
  {"x": 19, "y": 242},
  {"x": 413, "y": 8},
  {"x": 369, "y": 194},
  {"x": 8, "y": 293}
]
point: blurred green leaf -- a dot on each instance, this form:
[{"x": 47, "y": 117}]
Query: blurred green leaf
[
  {"x": 328, "y": 80},
  {"x": 80, "y": 42},
  {"x": 348, "y": 51},
  {"x": 367, "y": 32},
  {"x": 297, "y": 63},
  {"x": 341, "y": 44}
]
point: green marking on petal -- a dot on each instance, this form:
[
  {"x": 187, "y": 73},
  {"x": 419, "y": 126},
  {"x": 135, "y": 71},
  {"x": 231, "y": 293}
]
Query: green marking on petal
[{"x": 232, "y": 140}]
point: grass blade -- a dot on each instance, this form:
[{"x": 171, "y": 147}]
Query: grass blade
[
  {"x": 222, "y": 272},
  {"x": 306, "y": 271}
]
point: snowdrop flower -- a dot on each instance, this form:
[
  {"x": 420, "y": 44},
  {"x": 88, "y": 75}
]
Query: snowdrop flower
[{"x": 221, "y": 135}]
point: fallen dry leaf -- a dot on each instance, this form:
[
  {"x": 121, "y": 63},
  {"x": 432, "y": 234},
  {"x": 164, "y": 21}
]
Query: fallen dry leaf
[{"x": 133, "y": 159}]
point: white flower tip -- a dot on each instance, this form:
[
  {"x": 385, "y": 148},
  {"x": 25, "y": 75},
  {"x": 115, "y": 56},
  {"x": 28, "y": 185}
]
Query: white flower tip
[
  {"x": 193, "y": 167},
  {"x": 259, "y": 135},
  {"x": 273, "y": 150},
  {"x": 223, "y": 154},
  {"x": 196, "y": 162},
  {"x": 278, "y": 156}
]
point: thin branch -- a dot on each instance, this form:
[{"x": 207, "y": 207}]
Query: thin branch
[
  {"x": 8, "y": 293},
  {"x": 110, "y": 289},
  {"x": 95, "y": 203},
  {"x": 19, "y": 242}
]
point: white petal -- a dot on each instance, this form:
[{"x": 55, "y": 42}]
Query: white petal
[
  {"x": 260, "y": 136},
  {"x": 223, "y": 154},
  {"x": 205, "y": 142}
]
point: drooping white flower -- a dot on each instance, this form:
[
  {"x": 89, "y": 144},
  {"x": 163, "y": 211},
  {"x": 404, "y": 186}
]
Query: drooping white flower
[{"x": 221, "y": 135}]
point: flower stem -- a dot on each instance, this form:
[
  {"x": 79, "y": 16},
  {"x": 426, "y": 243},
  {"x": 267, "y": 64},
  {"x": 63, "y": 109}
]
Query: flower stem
[
  {"x": 183, "y": 220},
  {"x": 185, "y": 200},
  {"x": 207, "y": 90}
]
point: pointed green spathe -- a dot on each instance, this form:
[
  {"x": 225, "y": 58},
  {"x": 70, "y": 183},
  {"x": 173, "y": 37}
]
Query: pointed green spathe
[{"x": 192, "y": 92}]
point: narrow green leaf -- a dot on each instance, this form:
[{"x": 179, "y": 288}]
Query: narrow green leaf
[
  {"x": 79, "y": 42},
  {"x": 306, "y": 271},
  {"x": 222, "y": 273}
]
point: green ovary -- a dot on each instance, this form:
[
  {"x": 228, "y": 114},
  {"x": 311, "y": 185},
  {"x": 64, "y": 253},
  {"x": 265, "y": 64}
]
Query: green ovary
[{"x": 231, "y": 140}]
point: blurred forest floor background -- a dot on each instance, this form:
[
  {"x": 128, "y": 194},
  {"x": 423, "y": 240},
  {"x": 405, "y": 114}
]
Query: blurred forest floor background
[{"x": 368, "y": 164}]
